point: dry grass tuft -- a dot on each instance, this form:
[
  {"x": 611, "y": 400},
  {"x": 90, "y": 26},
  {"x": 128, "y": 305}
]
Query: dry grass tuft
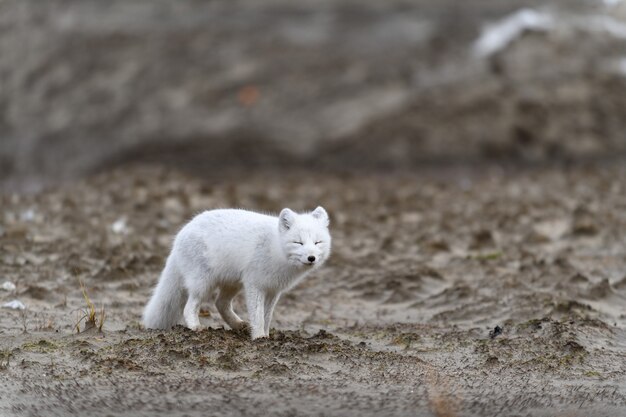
[
  {"x": 89, "y": 314},
  {"x": 5, "y": 356}
]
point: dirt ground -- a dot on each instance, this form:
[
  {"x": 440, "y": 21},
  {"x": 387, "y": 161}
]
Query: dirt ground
[{"x": 448, "y": 293}]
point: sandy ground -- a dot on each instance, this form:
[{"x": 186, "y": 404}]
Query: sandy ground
[{"x": 447, "y": 294}]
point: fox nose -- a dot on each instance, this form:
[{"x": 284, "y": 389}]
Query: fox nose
[{"x": 311, "y": 258}]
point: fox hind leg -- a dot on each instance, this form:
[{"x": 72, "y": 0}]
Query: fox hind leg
[
  {"x": 199, "y": 287},
  {"x": 224, "y": 304},
  {"x": 191, "y": 311}
]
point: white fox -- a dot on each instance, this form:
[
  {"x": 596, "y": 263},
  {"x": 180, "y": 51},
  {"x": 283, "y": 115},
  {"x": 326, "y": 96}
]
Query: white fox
[{"x": 231, "y": 250}]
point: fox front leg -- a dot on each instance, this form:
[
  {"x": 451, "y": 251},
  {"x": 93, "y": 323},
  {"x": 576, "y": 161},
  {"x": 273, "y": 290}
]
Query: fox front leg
[
  {"x": 270, "y": 303},
  {"x": 255, "y": 300}
]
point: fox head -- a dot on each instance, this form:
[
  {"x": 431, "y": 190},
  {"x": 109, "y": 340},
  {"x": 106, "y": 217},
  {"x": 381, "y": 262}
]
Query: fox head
[{"x": 304, "y": 238}]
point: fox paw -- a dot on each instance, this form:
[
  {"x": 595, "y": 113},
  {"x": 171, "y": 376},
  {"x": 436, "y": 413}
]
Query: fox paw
[{"x": 197, "y": 328}]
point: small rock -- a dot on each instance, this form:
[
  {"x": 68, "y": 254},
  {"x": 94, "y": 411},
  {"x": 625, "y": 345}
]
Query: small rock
[
  {"x": 495, "y": 332},
  {"x": 8, "y": 286},
  {"x": 120, "y": 226},
  {"x": 27, "y": 215},
  {"x": 14, "y": 305},
  {"x": 573, "y": 347},
  {"x": 492, "y": 360},
  {"x": 551, "y": 230}
]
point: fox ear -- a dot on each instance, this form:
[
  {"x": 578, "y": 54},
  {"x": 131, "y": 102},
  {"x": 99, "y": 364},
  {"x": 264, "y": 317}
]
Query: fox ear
[
  {"x": 320, "y": 214},
  {"x": 286, "y": 219}
]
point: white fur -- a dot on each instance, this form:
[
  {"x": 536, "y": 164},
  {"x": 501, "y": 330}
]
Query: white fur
[{"x": 231, "y": 250}]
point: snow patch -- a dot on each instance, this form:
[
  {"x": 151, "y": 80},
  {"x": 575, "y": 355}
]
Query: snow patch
[
  {"x": 605, "y": 24},
  {"x": 497, "y": 36},
  {"x": 14, "y": 305},
  {"x": 611, "y": 3}
]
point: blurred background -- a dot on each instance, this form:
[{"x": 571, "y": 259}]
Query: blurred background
[{"x": 213, "y": 86}]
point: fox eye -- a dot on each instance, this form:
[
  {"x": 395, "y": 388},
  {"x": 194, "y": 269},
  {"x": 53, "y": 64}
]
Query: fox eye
[
  {"x": 318, "y": 242},
  {"x": 298, "y": 243}
]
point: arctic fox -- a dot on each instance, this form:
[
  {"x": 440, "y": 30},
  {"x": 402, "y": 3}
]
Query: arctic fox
[{"x": 231, "y": 250}]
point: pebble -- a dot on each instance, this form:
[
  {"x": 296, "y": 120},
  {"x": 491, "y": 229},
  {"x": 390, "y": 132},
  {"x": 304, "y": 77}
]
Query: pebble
[
  {"x": 495, "y": 332},
  {"x": 119, "y": 226}
]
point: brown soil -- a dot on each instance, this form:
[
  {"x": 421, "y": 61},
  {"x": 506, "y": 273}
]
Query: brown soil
[{"x": 401, "y": 321}]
